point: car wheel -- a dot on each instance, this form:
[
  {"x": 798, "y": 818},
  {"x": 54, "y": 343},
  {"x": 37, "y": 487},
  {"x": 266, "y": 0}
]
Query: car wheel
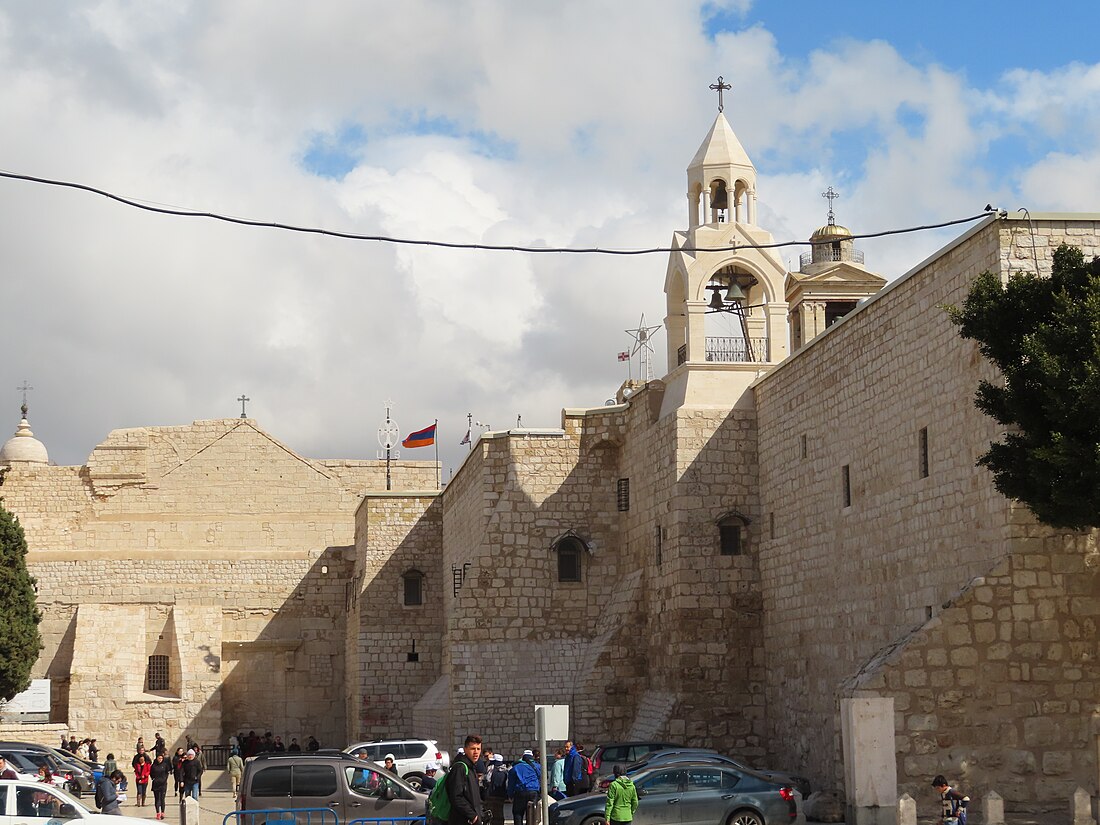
[
  {"x": 594, "y": 820},
  {"x": 416, "y": 780},
  {"x": 745, "y": 818}
]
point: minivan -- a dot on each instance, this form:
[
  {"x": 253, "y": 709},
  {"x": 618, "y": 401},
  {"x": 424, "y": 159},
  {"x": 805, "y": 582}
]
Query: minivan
[{"x": 350, "y": 787}]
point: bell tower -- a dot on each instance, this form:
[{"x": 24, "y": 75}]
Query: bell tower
[{"x": 726, "y": 316}]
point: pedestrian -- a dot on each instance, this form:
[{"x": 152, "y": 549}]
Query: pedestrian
[
  {"x": 557, "y": 775},
  {"x": 312, "y": 745},
  {"x": 159, "y": 774},
  {"x": 235, "y": 766},
  {"x": 106, "y": 793},
  {"x": 389, "y": 763},
  {"x": 496, "y": 788},
  {"x": 523, "y": 786},
  {"x": 278, "y": 746},
  {"x": 82, "y": 749},
  {"x": 953, "y": 803},
  {"x": 5, "y": 771},
  {"x": 110, "y": 765},
  {"x": 622, "y": 799},
  {"x": 293, "y": 747},
  {"x": 160, "y": 746},
  {"x": 141, "y": 778},
  {"x": 462, "y": 788},
  {"x": 191, "y": 771},
  {"x": 138, "y": 756},
  {"x": 428, "y": 782},
  {"x": 177, "y": 770},
  {"x": 93, "y": 751}
]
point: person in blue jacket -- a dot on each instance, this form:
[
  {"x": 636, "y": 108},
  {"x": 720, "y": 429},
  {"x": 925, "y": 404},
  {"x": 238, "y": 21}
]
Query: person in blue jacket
[{"x": 523, "y": 786}]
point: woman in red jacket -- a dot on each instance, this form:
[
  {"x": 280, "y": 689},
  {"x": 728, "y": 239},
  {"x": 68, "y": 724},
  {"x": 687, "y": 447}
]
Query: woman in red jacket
[{"x": 141, "y": 778}]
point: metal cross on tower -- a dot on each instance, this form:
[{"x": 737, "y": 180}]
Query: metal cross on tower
[
  {"x": 24, "y": 389},
  {"x": 720, "y": 87},
  {"x": 830, "y": 196},
  {"x": 389, "y": 434},
  {"x": 243, "y": 399}
]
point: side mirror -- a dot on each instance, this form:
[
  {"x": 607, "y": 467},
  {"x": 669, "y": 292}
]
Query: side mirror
[
  {"x": 67, "y": 811},
  {"x": 387, "y": 792}
]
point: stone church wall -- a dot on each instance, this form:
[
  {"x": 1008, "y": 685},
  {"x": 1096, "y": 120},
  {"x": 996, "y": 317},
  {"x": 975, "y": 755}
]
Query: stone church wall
[{"x": 842, "y": 583}]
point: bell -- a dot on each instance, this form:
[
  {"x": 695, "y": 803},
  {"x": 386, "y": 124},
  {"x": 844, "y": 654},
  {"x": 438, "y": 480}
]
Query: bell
[
  {"x": 716, "y": 297},
  {"x": 721, "y": 199},
  {"x": 734, "y": 294}
]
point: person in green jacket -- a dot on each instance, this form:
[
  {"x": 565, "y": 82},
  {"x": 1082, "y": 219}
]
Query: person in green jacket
[{"x": 622, "y": 799}]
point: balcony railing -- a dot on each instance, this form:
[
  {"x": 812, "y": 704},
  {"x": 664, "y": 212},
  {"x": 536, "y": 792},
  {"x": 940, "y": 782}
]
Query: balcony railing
[
  {"x": 733, "y": 350},
  {"x": 827, "y": 254}
]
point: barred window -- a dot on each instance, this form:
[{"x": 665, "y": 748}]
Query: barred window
[
  {"x": 623, "y": 494},
  {"x": 157, "y": 673}
]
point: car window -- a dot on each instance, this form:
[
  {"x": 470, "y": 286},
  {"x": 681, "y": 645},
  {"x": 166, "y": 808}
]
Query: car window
[
  {"x": 614, "y": 754},
  {"x": 3, "y": 801},
  {"x": 704, "y": 779},
  {"x": 273, "y": 781},
  {"x": 415, "y": 750},
  {"x": 376, "y": 753},
  {"x": 661, "y": 782},
  {"x": 637, "y": 752},
  {"x": 314, "y": 780},
  {"x": 367, "y": 782},
  {"x": 41, "y": 803}
]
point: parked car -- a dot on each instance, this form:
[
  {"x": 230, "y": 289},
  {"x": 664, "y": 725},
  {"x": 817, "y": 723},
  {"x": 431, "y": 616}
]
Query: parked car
[
  {"x": 354, "y": 789},
  {"x": 409, "y": 755},
  {"x": 25, "y": 801},
  {"x": 693, "y": 792},
  {"x": 668, "y": 757},
  {"x": 606, "y": 757},
  {"x": 79, "y": 774}
]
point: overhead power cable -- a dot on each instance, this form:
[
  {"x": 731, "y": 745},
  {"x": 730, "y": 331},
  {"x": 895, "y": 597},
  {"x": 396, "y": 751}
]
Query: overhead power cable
[{"x": 353, "y": 236}]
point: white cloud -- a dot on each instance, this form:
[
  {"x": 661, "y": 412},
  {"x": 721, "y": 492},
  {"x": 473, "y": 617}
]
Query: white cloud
[{"x": 567, "y": 124}]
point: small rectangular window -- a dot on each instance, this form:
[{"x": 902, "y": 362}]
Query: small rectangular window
[
  {"x": 846, "y": 482},
  {"x": 803, "y": 446},
  {"x": 414, "y": 590},
  {"x": 157, "y": 675},
  {"x": 569, "y": 565},
  {"x": 623, "y": 494},
  {"x": 730, "y": 536},
  {"x": 923, "y": 450}
]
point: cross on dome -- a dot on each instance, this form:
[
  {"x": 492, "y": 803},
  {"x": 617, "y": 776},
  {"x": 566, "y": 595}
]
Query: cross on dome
[{"x": 830, "y": 196}]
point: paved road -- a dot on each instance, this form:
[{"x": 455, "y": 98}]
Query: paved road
[{"x": 216, "y": 801}]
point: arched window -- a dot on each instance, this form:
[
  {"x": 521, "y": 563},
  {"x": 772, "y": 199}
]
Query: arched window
[
  {"x": 570, "y": 549},
  {"x": 732, "y": 534},
  {"x": 412, "y": 587}
]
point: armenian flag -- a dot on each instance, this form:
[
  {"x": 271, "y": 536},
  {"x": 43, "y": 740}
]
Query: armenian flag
[{"x": 421, "y": 438}]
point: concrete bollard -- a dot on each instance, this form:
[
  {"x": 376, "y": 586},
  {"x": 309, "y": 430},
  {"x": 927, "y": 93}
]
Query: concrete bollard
[
  {"x": 189, "y": 811},
  {"x": 993, "y": 809},
  {"x": 1081, "y": 807},
  {"x": 907, "y": 810}
]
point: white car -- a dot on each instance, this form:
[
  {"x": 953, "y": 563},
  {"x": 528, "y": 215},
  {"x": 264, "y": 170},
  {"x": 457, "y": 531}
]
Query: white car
[
  {"x": 410, "y": 755},
  {"x": 31, "y": 803}
]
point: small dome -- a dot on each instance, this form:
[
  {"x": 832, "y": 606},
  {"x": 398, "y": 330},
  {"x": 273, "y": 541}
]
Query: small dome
[
  {"x": 23, "y": 446},
  {"x": 831, "y": 230}
]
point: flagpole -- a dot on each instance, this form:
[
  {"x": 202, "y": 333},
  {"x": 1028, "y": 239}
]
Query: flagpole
[{"x": 438, "y": 472}]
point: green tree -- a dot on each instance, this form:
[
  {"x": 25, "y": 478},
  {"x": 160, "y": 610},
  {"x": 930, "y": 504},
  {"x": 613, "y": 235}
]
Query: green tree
[
  {"x": 1043, "y": 334},
  {"x": 19, "y": 617}
]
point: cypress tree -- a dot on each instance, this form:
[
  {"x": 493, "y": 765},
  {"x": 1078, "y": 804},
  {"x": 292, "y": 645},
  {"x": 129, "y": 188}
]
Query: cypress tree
[{"x": 20, "y": 641}]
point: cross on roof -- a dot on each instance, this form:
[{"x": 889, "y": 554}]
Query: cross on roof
[
  {"x": 24, "y": 389},
  {"x": 830, "y": 196},
  {"x": 720, "y": 87},
  {"x": 243, "y": 399}
]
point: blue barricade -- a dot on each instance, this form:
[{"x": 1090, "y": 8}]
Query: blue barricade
[
  {"x": 283, "y": 816},
  {"x": 392, "y": 820}
]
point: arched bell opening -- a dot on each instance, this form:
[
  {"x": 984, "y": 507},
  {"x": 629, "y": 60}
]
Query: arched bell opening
[
  {"x": 719, "y": 202},
  {"x": 736, "y": 327}
]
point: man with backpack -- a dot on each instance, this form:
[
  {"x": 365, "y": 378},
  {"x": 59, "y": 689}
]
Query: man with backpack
[
  {"x": 496, "y": 788},
  {"x": 578, "y": 771},
  {"x": 461, "y": 786},
  {"x": 523, "y": 786}
]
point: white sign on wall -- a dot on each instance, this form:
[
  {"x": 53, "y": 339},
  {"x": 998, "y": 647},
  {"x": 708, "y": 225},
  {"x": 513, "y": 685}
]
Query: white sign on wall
[{"x": 35, "y": 699}]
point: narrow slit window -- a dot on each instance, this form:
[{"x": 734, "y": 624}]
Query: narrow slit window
[
  {"x": 846, "y": 484},
  {"x": 923, "y": 452}
]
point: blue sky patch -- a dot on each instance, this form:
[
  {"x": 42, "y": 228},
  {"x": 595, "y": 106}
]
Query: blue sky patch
[{"x": 334, "y": 155}]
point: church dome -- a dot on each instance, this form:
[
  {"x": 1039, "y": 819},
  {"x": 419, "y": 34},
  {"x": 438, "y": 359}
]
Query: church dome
[
  {"x": 23, "y": 446},
  {"x": 831, "y": 231}
]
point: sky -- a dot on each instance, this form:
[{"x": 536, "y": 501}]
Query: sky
[{"x": 566, "y": 123}]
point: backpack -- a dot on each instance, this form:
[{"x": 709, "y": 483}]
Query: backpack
[
  {"x": 498, "y": 782},
  {"x": 439, "y": 803},
  {"x": 587, "y": 769}
]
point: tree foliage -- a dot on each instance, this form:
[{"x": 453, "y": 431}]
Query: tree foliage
[
  {"x": 1043, "y": 334},
  {"x": 20, "y": 641}
]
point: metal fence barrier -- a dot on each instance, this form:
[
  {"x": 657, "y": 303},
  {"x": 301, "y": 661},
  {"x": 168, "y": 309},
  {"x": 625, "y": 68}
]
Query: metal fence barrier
[
  {"x": 216, "y": 755},
  {"x": 393, "y": 820},
  {"x": 283, "y": 816}
]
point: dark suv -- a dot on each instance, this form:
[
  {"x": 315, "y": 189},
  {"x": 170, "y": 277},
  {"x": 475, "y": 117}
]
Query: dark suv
[{"x": 350, "y": 787}]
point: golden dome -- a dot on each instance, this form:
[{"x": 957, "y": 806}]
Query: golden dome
[{"x": 831, "y": 231}]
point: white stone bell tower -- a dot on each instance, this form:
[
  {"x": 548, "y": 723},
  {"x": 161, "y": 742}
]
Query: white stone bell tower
[{"x": 726, "y": 319}]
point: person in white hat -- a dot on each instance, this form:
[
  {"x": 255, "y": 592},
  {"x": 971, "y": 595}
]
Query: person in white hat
[
  {"x": 428, "y": 782},
  {"x": 390, "y": 764}
]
